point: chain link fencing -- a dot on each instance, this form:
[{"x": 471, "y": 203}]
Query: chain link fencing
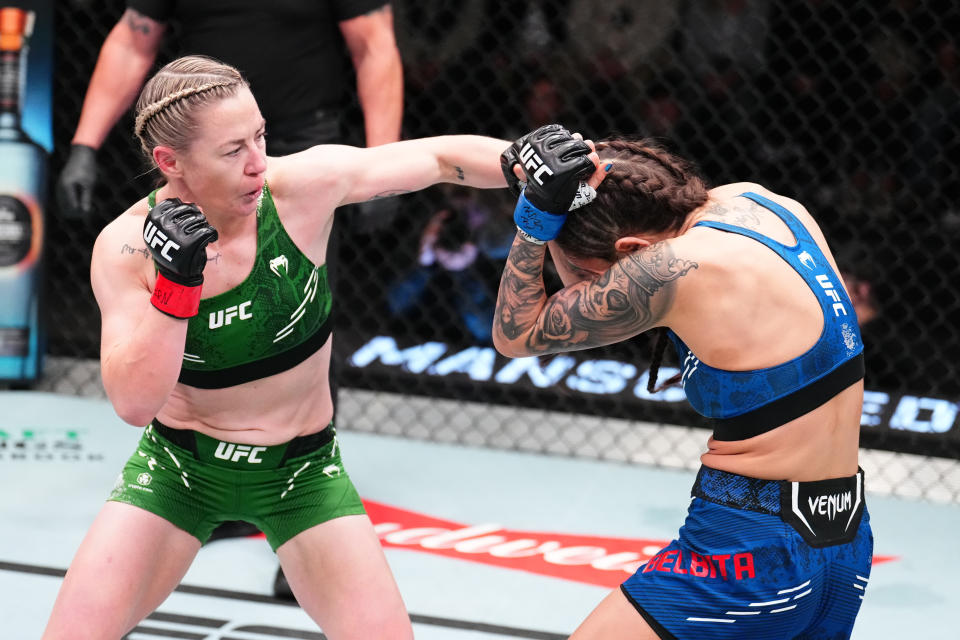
[{"x": 851, "y": 108}]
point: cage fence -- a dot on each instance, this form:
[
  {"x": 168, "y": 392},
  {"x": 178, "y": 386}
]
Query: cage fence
[{"x": 851, "y": 108}]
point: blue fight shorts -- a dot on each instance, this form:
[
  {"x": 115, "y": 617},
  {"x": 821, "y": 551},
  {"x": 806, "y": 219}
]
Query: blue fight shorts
[{"x": 760, "y": 559}]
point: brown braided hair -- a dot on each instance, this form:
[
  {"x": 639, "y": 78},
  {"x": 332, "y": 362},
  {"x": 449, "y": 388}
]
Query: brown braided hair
[
  {"x": 167, "y": 107},
  {"x": 647, "y": 191}
]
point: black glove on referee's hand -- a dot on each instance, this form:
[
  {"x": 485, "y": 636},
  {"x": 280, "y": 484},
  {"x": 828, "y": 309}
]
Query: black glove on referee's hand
[{"x": 74, "y": 189}]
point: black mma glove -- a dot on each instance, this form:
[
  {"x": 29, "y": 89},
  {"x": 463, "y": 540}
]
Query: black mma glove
[
  {"x": 508, "y": 160},
  {"x": 76, "y": 182},
  {"x": 177, "y": 235},
  {"x": 555, "y": 164},
  {"x": 511, "y": 157}
]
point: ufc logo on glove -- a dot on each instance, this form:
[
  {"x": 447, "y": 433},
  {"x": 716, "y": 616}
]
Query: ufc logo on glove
[
  {"x": 532, "y": 161},
  {"x": 154, "y": 238}
]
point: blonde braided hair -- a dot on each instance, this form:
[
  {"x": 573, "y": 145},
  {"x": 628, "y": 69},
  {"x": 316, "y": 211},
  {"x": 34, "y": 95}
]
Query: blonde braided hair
[
  {"x": 153, "y": 109},
  {"x": 167, "y": 107}
]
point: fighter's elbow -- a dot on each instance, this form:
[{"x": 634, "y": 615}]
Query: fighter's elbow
[
  {"x": 133, "y": 413},
  {"x": 133, "y": 407},
  {"x": 507, "y": 347}
]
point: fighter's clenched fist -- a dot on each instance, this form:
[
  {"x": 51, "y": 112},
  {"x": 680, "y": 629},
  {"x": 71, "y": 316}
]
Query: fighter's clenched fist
[{"x": 177, "y": 234}]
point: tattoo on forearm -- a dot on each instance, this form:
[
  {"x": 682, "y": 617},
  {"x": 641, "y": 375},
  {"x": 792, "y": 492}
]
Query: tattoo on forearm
[
  {"x": 629, "y": 298},
  {"x": 389, "y": 194},
  {"x": 521, "y": 289},
  {"x": 128, "y": 250},
  {"x": 460, "y": 175},
  {"x": 137, "y": 22}
]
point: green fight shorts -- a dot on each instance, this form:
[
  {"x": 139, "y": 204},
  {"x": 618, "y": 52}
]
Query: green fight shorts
[{"x": 196, "y": 482}]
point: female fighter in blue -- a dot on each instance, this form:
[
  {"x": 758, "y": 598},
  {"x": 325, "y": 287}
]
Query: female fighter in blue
[{"x": 777, "y": 541}]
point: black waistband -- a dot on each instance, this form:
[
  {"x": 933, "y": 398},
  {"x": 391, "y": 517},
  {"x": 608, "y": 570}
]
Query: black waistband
[
  {"x": 258, "y": 369},
  {"x": 824, "y": 512},
  {"x": 734, "y": 490},
  {"x": 791, "y": 406},
  {"x": 299, "y": 446}
]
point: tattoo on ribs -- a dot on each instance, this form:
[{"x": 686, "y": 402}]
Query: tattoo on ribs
[
  {"x": 137, "y": 22},
  {"x": 619, "y": 304}
]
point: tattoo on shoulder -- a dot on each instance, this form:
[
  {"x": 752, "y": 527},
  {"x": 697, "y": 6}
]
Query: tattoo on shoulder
[
  {"x": 128, "y": 250},
  {"x": 460, "y": 175},
  {"x": 745, "y": 215},
  {"x": 137, "y": 22},
  {"x": 619, "y": 304}
]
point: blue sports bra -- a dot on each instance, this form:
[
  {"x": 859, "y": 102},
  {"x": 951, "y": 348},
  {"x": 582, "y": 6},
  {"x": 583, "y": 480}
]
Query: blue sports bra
[{"x": 743, "y": 404}]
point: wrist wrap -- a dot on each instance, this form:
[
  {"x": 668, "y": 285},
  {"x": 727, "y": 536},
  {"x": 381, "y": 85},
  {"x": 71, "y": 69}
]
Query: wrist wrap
[
  {"x": 539, "y": 224},
  {"x": 175, "y": 299},
  {"x": 526, "y": 237}
]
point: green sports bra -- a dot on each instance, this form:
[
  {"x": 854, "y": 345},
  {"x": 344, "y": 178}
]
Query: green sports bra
[{"x": 272, "y": 321}]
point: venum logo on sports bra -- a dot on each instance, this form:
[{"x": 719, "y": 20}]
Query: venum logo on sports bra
[{"x": 226, "y": 316}]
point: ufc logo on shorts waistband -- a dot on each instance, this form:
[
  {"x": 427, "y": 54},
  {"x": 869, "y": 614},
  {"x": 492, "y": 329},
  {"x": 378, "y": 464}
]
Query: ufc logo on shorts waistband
[{"x": 233, "y": 452}]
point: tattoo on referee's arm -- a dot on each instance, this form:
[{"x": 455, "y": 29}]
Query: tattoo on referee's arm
[
  {"x": 460, "y": 175},
  {"x": 137, "y": 22}
]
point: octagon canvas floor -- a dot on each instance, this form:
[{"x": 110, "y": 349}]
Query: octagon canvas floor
[{"x": 484, "y": 544}]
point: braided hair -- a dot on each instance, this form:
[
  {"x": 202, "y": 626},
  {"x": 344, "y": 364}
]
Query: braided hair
[
  {"x": 647, "y": 191},
  {"x": 167, "y": 107}
]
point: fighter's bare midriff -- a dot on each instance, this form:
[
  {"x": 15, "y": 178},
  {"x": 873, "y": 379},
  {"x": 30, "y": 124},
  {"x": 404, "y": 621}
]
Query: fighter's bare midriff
[
  {"x": 268, "y": 411},
  {"x": 819, "y": 445}
]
